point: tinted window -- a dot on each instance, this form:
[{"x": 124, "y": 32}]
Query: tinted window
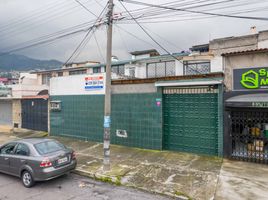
[
  {"x": 22, "y": 149},
  {"x": 8, "y": 149},
  {"x": 48, "y": 147}
]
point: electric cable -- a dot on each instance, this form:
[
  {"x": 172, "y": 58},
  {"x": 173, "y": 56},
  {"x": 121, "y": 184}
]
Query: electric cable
[{"x": 192, "y": 11}]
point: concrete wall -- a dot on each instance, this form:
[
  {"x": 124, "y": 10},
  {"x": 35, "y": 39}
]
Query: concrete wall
[
  {"x": 178, "y": 68},
  {"x": 242, "y": 61},
  {"x": 234, "y": 44},
  {"x": 231, "y": 44},
  {"x": 134, "y": 88},
  {"x": 216, "y": 64},
  {"x": 18, "y": 91},
  {"x": 201, "y": 57},
  {"x": 72, "y": 85},
  {"x": 16, "y": 115},
  {"x": 140, "y": 71},
  {"x": 263, "y": 40}
]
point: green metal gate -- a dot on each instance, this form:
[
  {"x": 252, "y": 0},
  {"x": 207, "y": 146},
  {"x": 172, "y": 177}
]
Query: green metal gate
[{"x": 191, "y": 119}]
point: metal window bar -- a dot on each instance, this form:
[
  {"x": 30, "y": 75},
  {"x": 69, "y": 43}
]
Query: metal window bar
[
  {"x": 249, "y": 135},
  {"x": 160, "y": 69},
  {"x": 191, "y": 90},
  {"x": 192, "y": 68}
]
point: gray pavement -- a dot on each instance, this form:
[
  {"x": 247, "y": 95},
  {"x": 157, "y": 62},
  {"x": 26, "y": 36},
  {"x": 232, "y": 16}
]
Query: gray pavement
[{"x": 69, "y": 187}]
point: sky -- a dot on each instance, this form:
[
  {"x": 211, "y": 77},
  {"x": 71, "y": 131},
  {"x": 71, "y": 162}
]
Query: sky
[{"x": 25, "y": 20}]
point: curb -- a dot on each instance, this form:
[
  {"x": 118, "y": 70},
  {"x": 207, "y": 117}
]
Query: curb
[{"x": 112, "y": 180}]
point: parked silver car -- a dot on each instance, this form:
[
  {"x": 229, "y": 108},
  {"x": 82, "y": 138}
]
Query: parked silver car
[{"x": 36, "y": 159}]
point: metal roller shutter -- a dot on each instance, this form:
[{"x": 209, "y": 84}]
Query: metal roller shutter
[
  {"x": 6, "y": 113},
  {"x": 191, "y": 119}
]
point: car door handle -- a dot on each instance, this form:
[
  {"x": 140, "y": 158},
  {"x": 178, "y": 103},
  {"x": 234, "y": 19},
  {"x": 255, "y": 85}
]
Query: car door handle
[{"x": 22, "y": 161}]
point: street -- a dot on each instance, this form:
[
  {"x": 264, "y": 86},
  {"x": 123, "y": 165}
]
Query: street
[{"x": 70, "y": 186}]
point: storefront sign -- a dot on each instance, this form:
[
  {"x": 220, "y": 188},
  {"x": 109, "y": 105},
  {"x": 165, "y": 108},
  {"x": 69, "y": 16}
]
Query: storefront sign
[
  {"x": 94, "y": 82},
  {"x": 259, "y": 104},
  {"x": 250, "y": 78}
]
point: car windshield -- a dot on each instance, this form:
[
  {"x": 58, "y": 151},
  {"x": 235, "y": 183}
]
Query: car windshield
[{"x": 48, "y": 147}]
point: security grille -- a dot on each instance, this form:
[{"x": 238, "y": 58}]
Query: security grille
[
  {"x": 118, "y": 69},
  {"x": 193, "y": 67},
  {"x": 160, "y": 69},
  {"x": 191, "y": 90},
  {"x": 77, "y": 72},
  {"x": 249, "y": 133}
]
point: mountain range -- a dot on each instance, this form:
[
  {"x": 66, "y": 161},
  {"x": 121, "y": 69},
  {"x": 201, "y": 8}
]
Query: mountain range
[{"x": 14, "y": 62}]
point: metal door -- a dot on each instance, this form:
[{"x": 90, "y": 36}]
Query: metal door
[
  {"x": 191, "y": 119},
  {"x": 35, "y": 114},
  {"x": 6, "y": 113}
]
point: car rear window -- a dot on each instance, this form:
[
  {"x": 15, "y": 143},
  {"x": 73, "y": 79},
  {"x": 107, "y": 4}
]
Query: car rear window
[{"x": 48, "y": 147}]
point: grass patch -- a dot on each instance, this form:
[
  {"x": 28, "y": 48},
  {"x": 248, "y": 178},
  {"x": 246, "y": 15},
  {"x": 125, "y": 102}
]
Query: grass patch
[{"x": 177, "y": 193}]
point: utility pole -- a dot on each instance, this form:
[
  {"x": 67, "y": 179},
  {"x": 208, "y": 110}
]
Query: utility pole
[{"x": 107, "y": 100}]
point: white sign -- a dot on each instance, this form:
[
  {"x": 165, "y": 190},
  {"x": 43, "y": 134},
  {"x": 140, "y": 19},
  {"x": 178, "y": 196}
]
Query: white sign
[
  {"x": 94, "y": 82},
  {"x": 78, "y": 85}
]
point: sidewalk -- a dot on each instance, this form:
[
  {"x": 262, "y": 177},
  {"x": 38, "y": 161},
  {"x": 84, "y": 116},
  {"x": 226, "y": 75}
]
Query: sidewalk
[
  {"x": 182, "y": 175},
  {"x": 242, "y": 180}
]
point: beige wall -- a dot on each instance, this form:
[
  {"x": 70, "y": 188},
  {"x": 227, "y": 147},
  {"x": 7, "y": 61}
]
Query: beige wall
[
  {"x": 16, "y": 114},
  {"x": 134, "y": 88},
  {"x": 231, "y": 44},
  {"x": 242, "y": 61}
]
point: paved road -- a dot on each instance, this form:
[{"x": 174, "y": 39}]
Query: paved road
[{"x": 69, "y": 187}]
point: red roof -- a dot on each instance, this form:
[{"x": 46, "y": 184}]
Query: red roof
[{"x": 263, "y": 50}]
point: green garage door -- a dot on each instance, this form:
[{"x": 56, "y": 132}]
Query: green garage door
[{"x": 191, "y": 119}]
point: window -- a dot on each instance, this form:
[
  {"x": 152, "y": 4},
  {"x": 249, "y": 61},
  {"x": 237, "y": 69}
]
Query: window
[
  {"x": 8, "y": 149},
  {"x": 132, "y": 72},
  {"x": 48, "y": 147},
  {"x": 22, "y": 149},
  {"x": 60, "y": 73},
  {"x": 45, "y": 79},
  {"x": 96, "y": 70},
  {"x": 160, "y": 69},
  {"x": 195, "y": 67},
  {"x": 76, "y": 72},
  {"x": 118, "y": 69}
]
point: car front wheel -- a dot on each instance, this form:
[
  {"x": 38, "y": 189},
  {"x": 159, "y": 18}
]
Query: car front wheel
[{"x": 27, "y": 179}]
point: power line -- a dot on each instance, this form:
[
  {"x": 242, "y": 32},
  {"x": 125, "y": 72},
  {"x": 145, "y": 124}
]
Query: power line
[
  {"x": 123, "y": 41},
  {"x": 15, "y": 21},
  {"x": 86, "y": 38},
  {"x": 99, "y": 49},
  {"x": 172, "y": 15},
  {"x": 43, "y": 42},
  {"x": 79, "y": 45},
  {"x": 54, "y": 36},
  {"x": 171, "y": 55},
  {"x": 85, "y": 8},
  {"x": 135, "y": 36},
  {"x": 41, "y": 16},
  {"x": 80, "y": 27},
  {"x": 192, "y": 11},
  {"x": 164, "y": 39},
  {"x": 143, "y": 20},
  {"x": 161, "y": 14},
  {"x": 36, "y": 21},
  {"x": 149, "y": 34}
]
